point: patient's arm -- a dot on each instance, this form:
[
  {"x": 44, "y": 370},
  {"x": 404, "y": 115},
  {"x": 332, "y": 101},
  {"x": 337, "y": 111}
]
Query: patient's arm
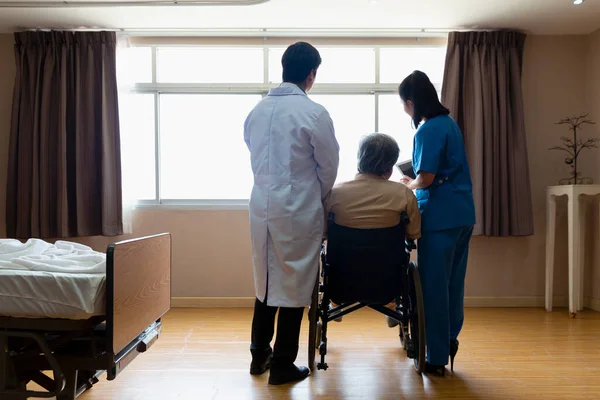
[{"x": 329, "y": 203}]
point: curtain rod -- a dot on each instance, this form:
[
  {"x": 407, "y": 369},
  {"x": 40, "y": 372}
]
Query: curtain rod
[
  {"x": 116, "y": 3},
  {"x": 272, "y": 32},
  {"x": 299, "y": 32},
  {"x": 70, "y": 30}
]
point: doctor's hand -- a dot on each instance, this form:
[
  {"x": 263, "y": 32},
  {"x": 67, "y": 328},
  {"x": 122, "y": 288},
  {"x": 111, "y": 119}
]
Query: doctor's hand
[{"x": 406, "y": 180}]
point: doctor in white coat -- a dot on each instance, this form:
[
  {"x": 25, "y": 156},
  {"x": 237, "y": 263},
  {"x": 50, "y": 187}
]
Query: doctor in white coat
[{"x": 295, "y": 157}]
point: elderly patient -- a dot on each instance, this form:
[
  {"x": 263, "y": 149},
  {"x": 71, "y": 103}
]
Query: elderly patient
[{"x": 371, "y": 200}]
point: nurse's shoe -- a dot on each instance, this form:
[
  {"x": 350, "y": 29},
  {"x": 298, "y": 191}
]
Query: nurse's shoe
[
  {"x": 453, "y": 351},
  {"x": 261, "y": 361},
  {"x": 435, "y": 369},
  {"x": 391, "y": 322},
  {"x": 291, "y": 373}
]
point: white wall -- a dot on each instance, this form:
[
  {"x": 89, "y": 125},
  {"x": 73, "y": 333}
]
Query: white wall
[{"x": 592, "y": 87}]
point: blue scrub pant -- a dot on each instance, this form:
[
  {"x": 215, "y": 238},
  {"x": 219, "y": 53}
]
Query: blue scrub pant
[{"x": 443, "y": 266}]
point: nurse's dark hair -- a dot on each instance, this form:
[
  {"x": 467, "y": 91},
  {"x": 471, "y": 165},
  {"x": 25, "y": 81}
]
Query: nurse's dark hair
[
  {"x": 377, "y": 154},
  {"x": 418, "y": 88},
  {"x": 298, "y": 61}
]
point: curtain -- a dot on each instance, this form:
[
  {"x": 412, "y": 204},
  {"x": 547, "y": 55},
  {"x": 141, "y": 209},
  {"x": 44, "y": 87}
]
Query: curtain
[
  {"x": 64, "y": 173},
  {"x": 482, "y": 89}
]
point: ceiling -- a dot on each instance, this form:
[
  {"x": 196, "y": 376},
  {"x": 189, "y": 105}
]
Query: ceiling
[{"x": 533, "y": 16}]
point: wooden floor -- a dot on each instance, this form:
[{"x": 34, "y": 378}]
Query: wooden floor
[{"x": 504, "y": 354}]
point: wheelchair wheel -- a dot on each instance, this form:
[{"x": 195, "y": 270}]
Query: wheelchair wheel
[
  {"x": 417, "y": 318},
  {"x": 313, "y": 318}
]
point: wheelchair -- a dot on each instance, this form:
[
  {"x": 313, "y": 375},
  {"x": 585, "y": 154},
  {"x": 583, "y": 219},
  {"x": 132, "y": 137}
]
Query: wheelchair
[{"x": 368, "y": 268}]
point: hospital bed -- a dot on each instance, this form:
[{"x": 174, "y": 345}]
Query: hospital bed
[
  {"x": 368, "y": 268},
  {"x": 121, "y": 320}
]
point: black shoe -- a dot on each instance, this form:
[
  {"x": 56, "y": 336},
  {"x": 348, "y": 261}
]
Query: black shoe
[
  {"x": 260, "y": 363},
  {"x": 453, "y": 351},
  {"x": 435, "y": 369},
  {"x": 280, "y": 376}
]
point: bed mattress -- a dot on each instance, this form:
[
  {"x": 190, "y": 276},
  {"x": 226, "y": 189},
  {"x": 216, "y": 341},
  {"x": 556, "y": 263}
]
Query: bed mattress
[{"x": 42, "y": 280}]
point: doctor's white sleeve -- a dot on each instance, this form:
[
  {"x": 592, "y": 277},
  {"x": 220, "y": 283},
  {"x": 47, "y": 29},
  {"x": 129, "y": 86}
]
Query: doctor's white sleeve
[
  {"x": 326, "y": 152},
  {"x": 246, "y": 132}
]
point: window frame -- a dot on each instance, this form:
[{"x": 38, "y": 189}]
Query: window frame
[{"x": 156, "y": 89}]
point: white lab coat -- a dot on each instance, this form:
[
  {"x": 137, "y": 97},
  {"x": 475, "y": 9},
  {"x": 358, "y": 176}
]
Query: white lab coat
[{"x": 295, "y": 157}]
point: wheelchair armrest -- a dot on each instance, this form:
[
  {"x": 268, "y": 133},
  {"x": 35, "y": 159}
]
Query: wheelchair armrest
[{"x": 410, "y": 245}]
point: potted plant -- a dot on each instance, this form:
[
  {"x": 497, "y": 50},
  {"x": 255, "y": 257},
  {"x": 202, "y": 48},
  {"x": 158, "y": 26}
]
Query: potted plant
[{"x": 573, "y": 147}]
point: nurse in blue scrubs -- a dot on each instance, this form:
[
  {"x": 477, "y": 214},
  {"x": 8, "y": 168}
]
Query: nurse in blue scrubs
[{"x": 443, "y": 190}]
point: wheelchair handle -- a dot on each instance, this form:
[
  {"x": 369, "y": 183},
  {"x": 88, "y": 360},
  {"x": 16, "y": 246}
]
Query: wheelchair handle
[{"x": 404, "y": 218}]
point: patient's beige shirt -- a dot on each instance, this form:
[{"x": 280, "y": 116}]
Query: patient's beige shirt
[{"x": 371, "y": 201}]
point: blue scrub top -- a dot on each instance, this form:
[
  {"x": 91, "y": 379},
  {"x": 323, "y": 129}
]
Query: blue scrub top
[{"x": 439, "y": 149}]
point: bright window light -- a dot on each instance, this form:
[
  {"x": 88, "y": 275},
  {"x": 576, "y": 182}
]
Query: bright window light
[
  {"x": 134, "y": 64},
  {"x": 340, "y": 65},
  {"x": 397, "y": 63},
  {"x": 353, "y": 117},
  {"x": 203, "y": 95},
  {"x": 210, "y": 65},
  {"x": 203, "y": 153},
  {"x": 136, "y": 116},
  {"x": 396, "y": 123}
]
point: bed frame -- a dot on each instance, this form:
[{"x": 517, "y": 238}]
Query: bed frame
[{"x": 138, "y": 294}]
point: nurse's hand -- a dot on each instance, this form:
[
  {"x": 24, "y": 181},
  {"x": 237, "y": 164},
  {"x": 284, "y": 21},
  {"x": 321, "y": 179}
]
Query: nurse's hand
[{"x": 406, "y": 180}]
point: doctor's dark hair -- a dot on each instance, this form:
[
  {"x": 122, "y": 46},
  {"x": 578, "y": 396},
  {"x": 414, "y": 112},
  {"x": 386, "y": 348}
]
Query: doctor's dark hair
[
  {"x": 418, "y": 88},
  {"x": 298, "y": 60},
  {"x": 377, "y": 154}
]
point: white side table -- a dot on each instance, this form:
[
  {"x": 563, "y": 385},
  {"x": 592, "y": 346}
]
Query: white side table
[{"x": 576, "y": 240}]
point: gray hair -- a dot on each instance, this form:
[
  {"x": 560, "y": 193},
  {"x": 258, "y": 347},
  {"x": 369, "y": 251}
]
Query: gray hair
[{"x": 377, "y": 154}]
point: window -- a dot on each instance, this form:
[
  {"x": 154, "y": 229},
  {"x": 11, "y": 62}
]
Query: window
[
  {"x": 134, "y": 65},
  {"x": 138, "y": 145},
  {"x": 339, "y": 65},
  {"x": 397, "y": 63},
  {"x": 395, "y": 122},
  {"x": 183, "y": 109},
  {"x": 209, "y": 65},
  {"x": 202, "y": 151},
  {"x": 353, "y": 117}
]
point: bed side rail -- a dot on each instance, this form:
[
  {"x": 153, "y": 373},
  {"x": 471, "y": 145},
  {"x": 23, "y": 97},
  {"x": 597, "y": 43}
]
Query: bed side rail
[{"x": 138, "y": 287}]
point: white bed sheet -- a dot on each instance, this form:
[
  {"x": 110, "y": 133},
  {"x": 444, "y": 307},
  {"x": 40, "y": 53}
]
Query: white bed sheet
[{"x": 42, "y": 280}]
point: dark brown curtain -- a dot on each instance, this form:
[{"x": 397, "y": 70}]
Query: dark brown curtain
[
  {"x": 64, "y": 173},
  {"x": 482, "y": 89}
]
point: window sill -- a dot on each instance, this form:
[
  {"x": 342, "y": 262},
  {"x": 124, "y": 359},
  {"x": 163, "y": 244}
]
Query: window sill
[{"x": 198, "y": 205}]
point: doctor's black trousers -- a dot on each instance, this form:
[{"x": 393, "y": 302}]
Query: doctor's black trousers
[{"x": 288, "y": 333}]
